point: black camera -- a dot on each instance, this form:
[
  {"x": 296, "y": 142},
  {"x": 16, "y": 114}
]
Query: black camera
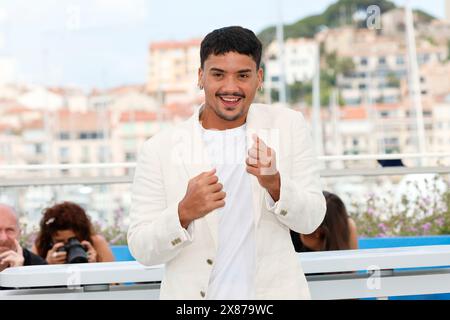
[{"x": 75, "y": 251}]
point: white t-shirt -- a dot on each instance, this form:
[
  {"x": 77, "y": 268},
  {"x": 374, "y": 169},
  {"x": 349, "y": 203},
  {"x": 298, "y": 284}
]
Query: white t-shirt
[{"x": 233, "y": 271}]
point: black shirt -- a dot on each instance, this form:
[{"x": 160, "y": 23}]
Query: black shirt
[{"x": 32, "y": 259}]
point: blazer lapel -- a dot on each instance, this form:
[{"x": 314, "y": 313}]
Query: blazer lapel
[
  {"x": 195, "y": 161},
  {"x": 256, "y": 125}
]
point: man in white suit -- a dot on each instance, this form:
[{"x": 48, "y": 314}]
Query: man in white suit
[{"x": 215, "y": 197}]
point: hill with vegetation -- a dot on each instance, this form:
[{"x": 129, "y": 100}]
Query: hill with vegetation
[{"x": 338, "y": 14}]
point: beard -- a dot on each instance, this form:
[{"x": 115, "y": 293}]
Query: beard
[{"x": 226, "y": 117}]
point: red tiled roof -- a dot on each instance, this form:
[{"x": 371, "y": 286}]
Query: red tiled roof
[
  {"x": 35, "y": 124},
  {"x": 126, "y": 89},
  {"x": 138, "y": 116},
  {"x": 17, "y": 109},
  {"x": 81, "y": 121},
  {"x": 178, "y": 110},
  {"x": 353, "y": 113},
  {"x": 5, "y": 127}
]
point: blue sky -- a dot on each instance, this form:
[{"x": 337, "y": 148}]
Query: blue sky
[{"x": 104, "y": 43}]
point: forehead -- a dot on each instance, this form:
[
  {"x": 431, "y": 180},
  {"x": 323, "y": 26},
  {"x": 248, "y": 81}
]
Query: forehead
[
  {"x": 7, "y": 218},
  {"x": 63, "y": 234},
  {"x": 230, "y": 62}
]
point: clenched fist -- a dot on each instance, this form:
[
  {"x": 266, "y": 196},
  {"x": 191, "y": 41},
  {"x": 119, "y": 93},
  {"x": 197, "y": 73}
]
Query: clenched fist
[{"x": 204, "y": 194}]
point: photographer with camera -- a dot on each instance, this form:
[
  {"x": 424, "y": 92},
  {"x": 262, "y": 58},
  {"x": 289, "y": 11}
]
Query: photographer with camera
[{"x": 67, "y": 236}]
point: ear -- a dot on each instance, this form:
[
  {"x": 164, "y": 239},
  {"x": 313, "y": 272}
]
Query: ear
[
  {"x": 200, "y": 77},
  {"x": 260, "y": 77}
]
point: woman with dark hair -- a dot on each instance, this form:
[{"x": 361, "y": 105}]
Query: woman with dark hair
[
  {"x": 63, "y": 222},
  {"x": 337, "y": 231}
]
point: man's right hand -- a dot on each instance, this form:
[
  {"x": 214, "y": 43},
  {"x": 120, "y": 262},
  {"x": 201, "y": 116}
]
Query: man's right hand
[{"x": 204, "y": 194}]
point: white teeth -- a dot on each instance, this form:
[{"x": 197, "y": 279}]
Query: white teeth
[{"x": 230, "y": 100}]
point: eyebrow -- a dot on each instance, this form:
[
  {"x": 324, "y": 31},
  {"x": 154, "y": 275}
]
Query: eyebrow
[{"x": 220, "y": 70}]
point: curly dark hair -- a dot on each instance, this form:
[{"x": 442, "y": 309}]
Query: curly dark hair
[{"x": 62, "y": 216}]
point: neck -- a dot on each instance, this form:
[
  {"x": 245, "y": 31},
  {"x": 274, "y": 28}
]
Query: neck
[{"x": 210, "y": 120}]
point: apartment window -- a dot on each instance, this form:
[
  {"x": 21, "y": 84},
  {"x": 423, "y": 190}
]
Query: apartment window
[
  {"x": 364, "y": 61},
  {"x": 390, "y": 99},
  {"x": 400, "y": 60},
  {"x": 64, "y": 136},
  {"x": 103, "y": 153},
  {"x": 90, "y": 135},
  {"x": 391, "y": 141},
  {"x": 38, "y": 148},
  {"x": 64, "y": 152},
  {"x": 392, "y": 150},
  {"x": 384, "y": 114},
  {"x": 382, "y": 61},
  {"x": 85, "y": 154},
  {"x": 130, "y": 156}
]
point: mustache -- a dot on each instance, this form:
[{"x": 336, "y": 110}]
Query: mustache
[
  {"x": 233, "y": 94},
  {"x": 7, "y": 243}
]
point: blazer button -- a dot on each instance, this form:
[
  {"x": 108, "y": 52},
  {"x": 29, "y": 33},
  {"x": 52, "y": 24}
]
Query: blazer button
[
  {"x": 209, "y": 261},
  {"x": 283, "y": 212},
  {"x": 176, "y": 241},
  {"x": 202, "y": 293}
]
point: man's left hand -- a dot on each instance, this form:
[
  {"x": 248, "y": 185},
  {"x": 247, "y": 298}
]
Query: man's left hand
[
  {"x": 261, "y": 162},
  {"x": 13, "y": 258}
]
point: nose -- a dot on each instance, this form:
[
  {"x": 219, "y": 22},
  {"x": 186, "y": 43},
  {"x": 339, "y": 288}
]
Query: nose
[
  {"x": 230, "y": 85},
  {"x": 3, "y": 235}
]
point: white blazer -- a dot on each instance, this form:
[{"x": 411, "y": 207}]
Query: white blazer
[{"x": 172, "y": 157}]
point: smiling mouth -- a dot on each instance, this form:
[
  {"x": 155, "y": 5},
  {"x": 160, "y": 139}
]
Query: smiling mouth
[{"x": 230, "y": 101}]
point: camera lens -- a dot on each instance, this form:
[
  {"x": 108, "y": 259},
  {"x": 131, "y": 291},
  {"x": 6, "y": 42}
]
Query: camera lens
[{"x": 75, "y": 251}]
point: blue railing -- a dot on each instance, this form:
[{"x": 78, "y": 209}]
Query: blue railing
[{"x": 373, "y": 243}]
